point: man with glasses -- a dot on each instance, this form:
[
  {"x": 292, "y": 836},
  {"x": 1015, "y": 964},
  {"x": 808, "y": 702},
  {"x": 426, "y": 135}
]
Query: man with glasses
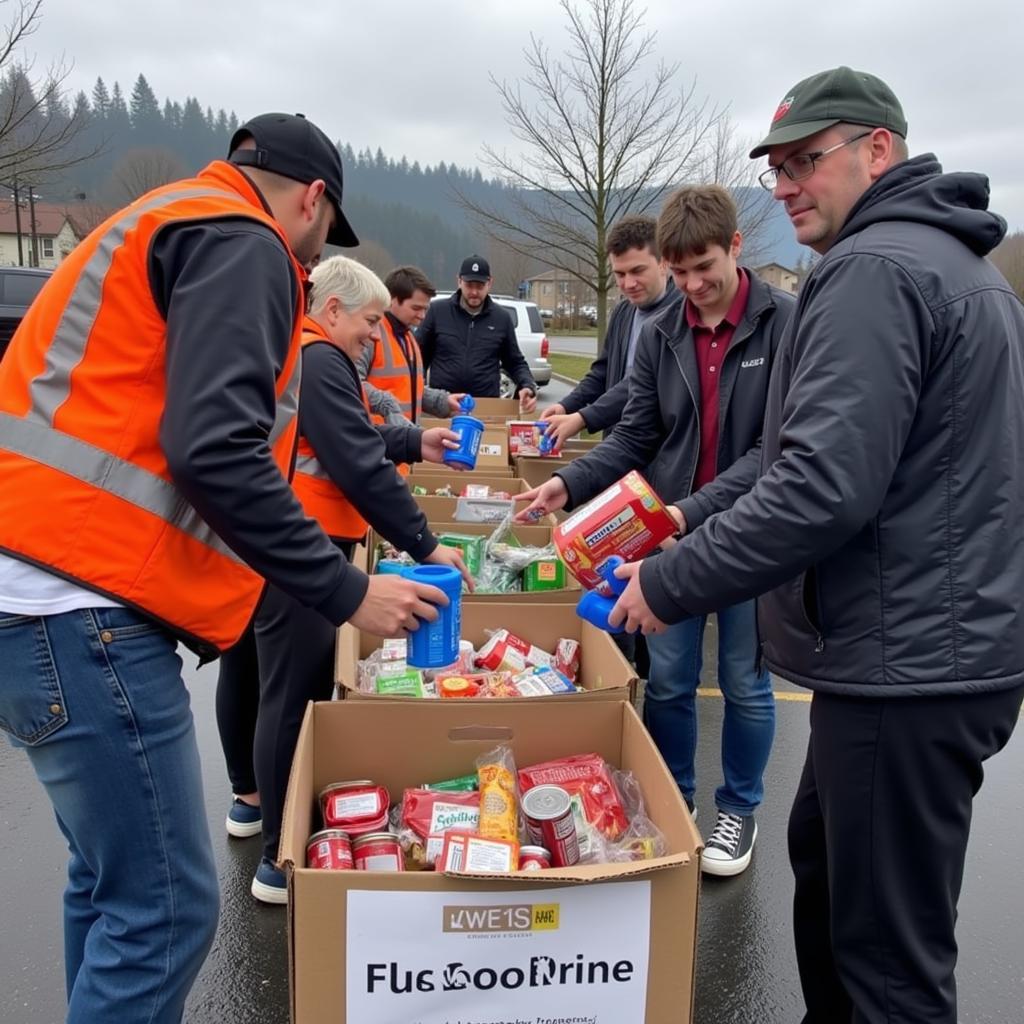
[{"x": 885, "y": 537}]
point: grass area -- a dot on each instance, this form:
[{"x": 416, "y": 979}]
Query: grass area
[
  {"x": 579, "y": 332},
  {"x": 569, "y": 366}
]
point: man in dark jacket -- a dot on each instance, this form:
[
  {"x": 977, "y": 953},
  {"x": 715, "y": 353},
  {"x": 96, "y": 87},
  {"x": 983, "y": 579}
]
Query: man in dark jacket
[
  {"x": 596, "y": 403},
  {"x": 696, "y": 401},
  {"x": 467, "y": 340},
  {"x": 885, "y": 533}
]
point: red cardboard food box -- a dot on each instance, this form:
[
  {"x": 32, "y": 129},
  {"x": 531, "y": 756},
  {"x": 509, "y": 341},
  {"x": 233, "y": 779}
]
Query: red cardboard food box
[
  {"x": 628, "y": 519},
  {"x": 524, "y": 439}
]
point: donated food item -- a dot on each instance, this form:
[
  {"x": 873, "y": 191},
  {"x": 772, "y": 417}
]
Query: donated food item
[
  {"x": 541, "y": 682},
  {"x": 499, "y": 806},
  {"x": 470, "y": 545},
  {"x": 628, "y": 519},
  {"x": 356, "y": 807},
  {"x": 470, "y": 431},
  {"x": 471, "y": 854},
  {"x": 504, "y": 651},
  {"x": 458, "y": 686},
  {"x": 529, "y": 438},
  {"x": 596, "y": 608},
  {"x": 567, "y": 658},
  {"x": 482, "y": 510},
  {"x": 544, "y": 574},
  {"x": 499, "y": 684},
  {"x": 425, "y": 811},
  {"x": 330, "y": 850},
  {"x": 436, "y": 644},
  {"x": 464, "y": 783},
  {"x": 534, "y": 858},
  {"x": 378, "y": 851},
  {"x": 408, "y": 683},
  {"x": 550, "y": 824},
  {"x": 588, "y": 780},
  {"x": 419, "y": 492}
]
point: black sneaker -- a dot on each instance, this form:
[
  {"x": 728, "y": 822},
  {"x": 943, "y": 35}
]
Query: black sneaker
[{"x": 730, "y": 846}]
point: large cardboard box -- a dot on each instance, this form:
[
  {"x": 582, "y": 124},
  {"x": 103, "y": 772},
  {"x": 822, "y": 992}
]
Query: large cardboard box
[
  {"x": 605, "y": 674},
  {"x": 445, "y": 476},
  {"x": 611, "y": 943}
]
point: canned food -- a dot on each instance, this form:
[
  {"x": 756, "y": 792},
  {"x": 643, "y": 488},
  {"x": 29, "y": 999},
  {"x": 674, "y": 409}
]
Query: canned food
[
  {"x": 356, "y": 807},
  {"x": 378, "y": 851},
  {"x": 549, "y": 821},
  {"x": 533, "y": 858},
  {"x": 330, "y": 849}
]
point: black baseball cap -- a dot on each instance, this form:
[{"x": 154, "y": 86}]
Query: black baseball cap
[
  {"x": 833, "y": 97},
  {"x": 289, "y": 145},
  {"x": 475, "y": 268}
]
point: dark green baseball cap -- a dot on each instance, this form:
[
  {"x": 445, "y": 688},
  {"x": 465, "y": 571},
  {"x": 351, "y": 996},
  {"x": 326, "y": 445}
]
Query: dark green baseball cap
[{"x": 832, "y": 97}]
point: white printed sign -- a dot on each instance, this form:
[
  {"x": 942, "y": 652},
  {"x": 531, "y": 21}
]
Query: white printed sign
[{"x": 578, "y": 953}]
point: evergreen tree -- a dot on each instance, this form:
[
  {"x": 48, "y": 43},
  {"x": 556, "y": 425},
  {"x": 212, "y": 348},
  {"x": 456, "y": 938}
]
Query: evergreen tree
[
  {"x": 118, "y": 120},
  {"x": 100, "y": 99},
  {"x": 144, "y": 113}
]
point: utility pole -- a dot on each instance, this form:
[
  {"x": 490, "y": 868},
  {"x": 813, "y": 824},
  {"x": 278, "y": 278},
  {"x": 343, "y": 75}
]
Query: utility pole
[
  {"x": 17, "y": 221},
  {"x": 34, "y": 258}
]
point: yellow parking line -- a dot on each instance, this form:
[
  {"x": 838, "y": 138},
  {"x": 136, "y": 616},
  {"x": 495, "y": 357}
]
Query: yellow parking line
[{"x": 710, "y": 691}]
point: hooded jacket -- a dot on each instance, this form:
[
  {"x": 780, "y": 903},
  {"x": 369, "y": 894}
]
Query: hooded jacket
[{"x": 886, "y": 531}]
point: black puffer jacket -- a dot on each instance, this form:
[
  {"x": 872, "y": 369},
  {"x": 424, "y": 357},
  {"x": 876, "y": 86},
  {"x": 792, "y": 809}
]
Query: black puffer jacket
[{"x": 887, "y": 529}]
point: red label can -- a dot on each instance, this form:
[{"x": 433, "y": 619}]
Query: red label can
[
  {"x": 549, "y": 821},
  {"x": 378, "y": 851},
  {"x": 533, "y": 858},
  {"x": 330, "y": 850},
  {"x": 355, "y": 807}
]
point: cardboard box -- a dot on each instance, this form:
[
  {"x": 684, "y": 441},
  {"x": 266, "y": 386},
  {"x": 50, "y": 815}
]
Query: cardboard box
[
  {"x": 446, "y": 477},
  {"x": 604, "y": 672},
  {"x": 621, "y": 938}
]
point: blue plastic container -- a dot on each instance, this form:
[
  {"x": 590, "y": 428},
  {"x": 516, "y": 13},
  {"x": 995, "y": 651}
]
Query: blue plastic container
[
  {"x": 594, "y": 607},
  {"x": 470, "y": 431},
  {"x": 392, "y": 565},
  {"x": 436, "y": 644}
]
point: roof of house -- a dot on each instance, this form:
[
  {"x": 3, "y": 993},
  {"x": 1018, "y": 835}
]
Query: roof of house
[
  {"x": 49, "y": 217},
  {"x": 778, "y": 266}
]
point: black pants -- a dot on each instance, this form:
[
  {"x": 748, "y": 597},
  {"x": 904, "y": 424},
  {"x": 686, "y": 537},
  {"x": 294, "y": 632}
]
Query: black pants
[
  {"x": 289, "y": 650},
  {"x": 877, "y": 839}
]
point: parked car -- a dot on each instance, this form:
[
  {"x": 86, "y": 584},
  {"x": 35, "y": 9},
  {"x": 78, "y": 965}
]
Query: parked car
[
  {"x": 532, "y": 340},
  {"x": 18, "y": 287}
]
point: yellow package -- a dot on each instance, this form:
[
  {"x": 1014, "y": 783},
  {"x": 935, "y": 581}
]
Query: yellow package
[{"x": 499, "y": 803}]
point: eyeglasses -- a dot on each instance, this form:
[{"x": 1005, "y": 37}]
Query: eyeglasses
[{"x": 803, "y": 164}]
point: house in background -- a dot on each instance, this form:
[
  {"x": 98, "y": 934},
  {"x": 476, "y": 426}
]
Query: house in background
[
  {"x": 779, "y": 277},
  {"x": 558, "y": 291},
  {"x": 55, "y": 230}
]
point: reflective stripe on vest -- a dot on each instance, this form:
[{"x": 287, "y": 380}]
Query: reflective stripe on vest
[
  {"x": 87, "y": 489},
  {"x": 321, "y": 497}
]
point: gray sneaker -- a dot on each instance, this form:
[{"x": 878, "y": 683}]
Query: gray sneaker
[{"x": 730, "y": 845}]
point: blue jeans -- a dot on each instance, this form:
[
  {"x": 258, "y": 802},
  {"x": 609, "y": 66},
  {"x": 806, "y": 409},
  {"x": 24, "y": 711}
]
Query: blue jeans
[
  {"x": 97, "y": 700},
  {"x": 670, "y": 711}
]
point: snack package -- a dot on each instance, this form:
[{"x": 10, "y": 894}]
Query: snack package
[
  {"x": 482, "y": 510},
  {"x": 541, "y": 682},
  {"x": 407, "y": 683},
  {"x": 506, "y": 652},
  {"x": 499, "y": 799},
  {"x": 589, "y": 781},
  {"x": 567, "y": 658},
  {"x": 427, "y": 815},
  {"x": 642, "y": 839},
  {"x": 469, "y": 854},
  {"x": 499, "y": 684},
  {"x": 470, "y": 545}
]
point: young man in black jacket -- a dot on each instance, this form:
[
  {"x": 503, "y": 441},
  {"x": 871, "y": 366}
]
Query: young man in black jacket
[
  {"x": 885, "y": 535},
  {"x": 596, "y": 403},
  {"x": 467, "y": 340},
  {"x": 696, "y": 400}
]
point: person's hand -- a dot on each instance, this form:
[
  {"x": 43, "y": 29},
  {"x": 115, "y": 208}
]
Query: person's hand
[
  {"x": 527, "y": 400},
  {"x": 631, "y": 608},
  {"x": 561, "y": 428},
  {"x": 454, "y": 408},
  {"x": 436, "y": 441},
  {"x": 393, "y": 604},
  {"x": 553, "y": 410},
  {"x": 677, "y": 514},
  {"x": 547, "y": 498},
  {"x": 443, "y": 555}
]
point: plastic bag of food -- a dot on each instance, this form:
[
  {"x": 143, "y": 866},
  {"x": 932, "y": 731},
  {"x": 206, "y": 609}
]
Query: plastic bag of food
[
  {"x": 499, "y": 795},
  {"x": 427, "y": 815}
]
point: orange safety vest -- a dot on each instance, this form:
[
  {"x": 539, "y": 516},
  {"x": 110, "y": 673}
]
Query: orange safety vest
[
  {"x": 321, "y": 497},
  {"x": 86, "y": 489},
  {"x": 391, "y": 371}
]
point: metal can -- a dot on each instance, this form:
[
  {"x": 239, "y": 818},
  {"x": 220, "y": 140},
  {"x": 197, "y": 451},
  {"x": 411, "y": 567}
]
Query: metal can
[
  {"x": 533, "y": 858},
  {"x": 330, "y": 849},
  {"x": 378, "y": 851},
  {"x": 356, "y": 807},
  {"x": 549, "y": 821}
]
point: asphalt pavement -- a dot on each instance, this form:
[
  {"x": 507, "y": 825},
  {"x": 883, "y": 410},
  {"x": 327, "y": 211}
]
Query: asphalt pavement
[{"x": 746, "y": 971}]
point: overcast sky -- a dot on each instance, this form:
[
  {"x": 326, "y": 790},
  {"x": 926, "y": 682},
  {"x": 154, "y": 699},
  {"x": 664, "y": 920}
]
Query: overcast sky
[{"x": 412, "y": 78}]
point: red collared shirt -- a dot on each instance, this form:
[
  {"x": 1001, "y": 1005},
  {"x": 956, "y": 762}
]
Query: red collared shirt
[{"x": 710, "y": 345}]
